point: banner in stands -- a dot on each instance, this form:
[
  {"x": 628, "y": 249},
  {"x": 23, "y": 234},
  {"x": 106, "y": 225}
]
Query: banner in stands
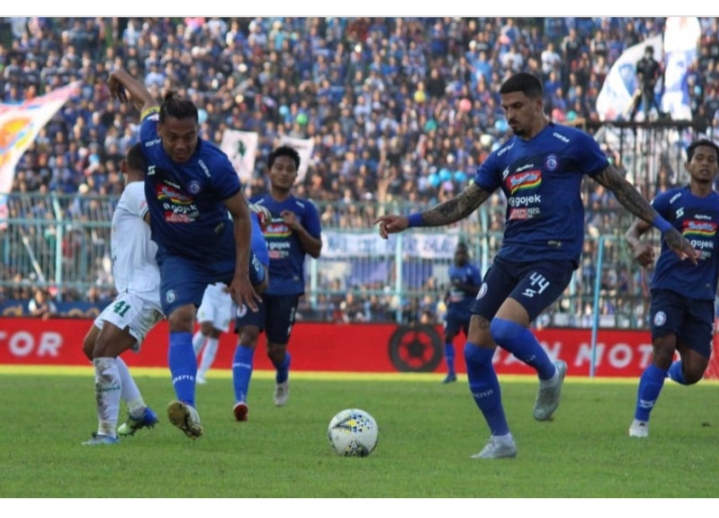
[
  {"x": 681, "y": 40},
  {"x": 340, "y": 245},
  {"x": 19, "y": 126},
  {"x": 339, "y": 348},
  {"x": 620, "y": 85},
  {"x": 241, "y": 149}
]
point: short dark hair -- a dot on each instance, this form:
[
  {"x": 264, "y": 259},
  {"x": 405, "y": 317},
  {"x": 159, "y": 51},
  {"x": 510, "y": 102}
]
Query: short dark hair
[
  {"x": 649, "y": 48},
  {"x": 523, "y": 82},
  {"x": 284, "y": 151},
  {"x": 135, "y": 158},
  {"x": 463, "y": 245},
  {"x": 698, "y": 143},
  {"x": 177, "y": 107}
]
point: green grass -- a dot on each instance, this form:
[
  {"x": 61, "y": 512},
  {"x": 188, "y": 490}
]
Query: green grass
[{"x": 427, "y": 433}]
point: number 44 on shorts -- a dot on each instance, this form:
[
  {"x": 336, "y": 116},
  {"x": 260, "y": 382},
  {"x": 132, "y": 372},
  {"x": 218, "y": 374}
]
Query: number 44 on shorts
[
  {"x": 539, "y": 284},
  {"x": 121, "y": 307}
]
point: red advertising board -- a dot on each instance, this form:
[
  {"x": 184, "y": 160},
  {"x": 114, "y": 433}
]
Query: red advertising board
[{"x": 338, "y": 348}]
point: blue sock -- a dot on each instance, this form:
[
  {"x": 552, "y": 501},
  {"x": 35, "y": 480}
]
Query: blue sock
[
  {"x": 484, "y": 386},
  {"x": 676, "y": 373},
  {"x": 650, "y": 385},
  {"x": 449, "y": 357},
  {"x": 520, "y": 341},
  {"x": 242, "y": 371},
  {"x": 283, "y": 369},
  {"x": 183, "y": 366}
]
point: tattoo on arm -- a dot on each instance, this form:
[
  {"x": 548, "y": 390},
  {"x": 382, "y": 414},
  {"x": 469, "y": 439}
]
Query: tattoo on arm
[
  {"x": 626, "y": 194},
  {"x": 455, "y": 209}
]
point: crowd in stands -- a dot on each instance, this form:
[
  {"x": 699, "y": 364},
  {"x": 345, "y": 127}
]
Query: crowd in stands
[{"x": 399, "y": 108}]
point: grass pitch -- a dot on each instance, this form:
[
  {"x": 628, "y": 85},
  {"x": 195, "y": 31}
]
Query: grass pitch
[{"x": 427, "y": 431}]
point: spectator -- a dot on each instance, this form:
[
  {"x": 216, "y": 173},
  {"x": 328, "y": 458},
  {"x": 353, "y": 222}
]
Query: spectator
[
  {"x": 40, "y": 306},
  {"x": 383, "y": 100},
  {"x": 648, "y": 70}
]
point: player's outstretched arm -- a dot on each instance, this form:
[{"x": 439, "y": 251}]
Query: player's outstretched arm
[
  {"x": 643, "y": 251},
  {"x": 635, "y": 203},
  {"x": 121, "y": 84},
  {"x": 445, "y": 213}
]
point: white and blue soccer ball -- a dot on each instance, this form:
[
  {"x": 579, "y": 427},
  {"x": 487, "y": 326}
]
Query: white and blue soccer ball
[{"x": 353, "y": 433}]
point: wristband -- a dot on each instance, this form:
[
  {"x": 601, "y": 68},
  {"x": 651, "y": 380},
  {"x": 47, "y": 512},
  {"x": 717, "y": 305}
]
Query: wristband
[
  {"x": 415, "y": 220},
  {"x": 661, "y": 224}
]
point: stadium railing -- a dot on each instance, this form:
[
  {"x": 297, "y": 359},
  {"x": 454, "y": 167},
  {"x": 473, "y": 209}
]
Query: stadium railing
[{"x": 62, "y": 242}]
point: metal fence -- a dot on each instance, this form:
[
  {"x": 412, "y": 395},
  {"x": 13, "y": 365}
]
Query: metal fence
[{"x": 63, "y": 243}]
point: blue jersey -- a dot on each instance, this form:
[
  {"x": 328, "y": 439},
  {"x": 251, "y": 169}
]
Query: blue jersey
[
  {"x": 460, "y": 300},
  {"x": 287, "y": 257},
  {"x": 541, "y": 179},
  {"x": 259, "y": 244},
  {"x": 697, "y": 219},
  {"x": 187, "y": 213}
]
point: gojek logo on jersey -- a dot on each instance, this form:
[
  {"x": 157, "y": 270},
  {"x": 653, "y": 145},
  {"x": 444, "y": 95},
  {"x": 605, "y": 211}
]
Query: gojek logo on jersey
[
  {"x": 178, "y": 206},
  {"x": 523, "y": 203},
  {"x": 700, "y": 234},
  {"x": 278, "y": 235}
]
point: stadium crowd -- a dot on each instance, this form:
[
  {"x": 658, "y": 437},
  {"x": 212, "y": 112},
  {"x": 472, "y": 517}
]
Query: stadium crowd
[{"x": 399, "y": 108}]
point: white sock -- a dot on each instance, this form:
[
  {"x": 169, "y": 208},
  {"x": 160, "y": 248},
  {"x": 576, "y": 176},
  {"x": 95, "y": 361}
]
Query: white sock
[
  {"x": 208, "y": 357},
  {"x": 130, "y": 393},
  {"x": 107, "y": 394},
  {"x": 197, "y": 340}
]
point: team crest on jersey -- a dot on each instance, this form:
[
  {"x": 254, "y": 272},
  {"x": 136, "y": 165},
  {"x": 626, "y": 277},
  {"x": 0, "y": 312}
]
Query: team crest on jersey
[
  {"x": 660, "y": 318},
  {"x": 482, "y": 291},
  {"x": 552, "y": 162},
  {"x": 170, "y": 296},
  {"x": 241, "y": 310},
  {"x": 193, "y": 187}
]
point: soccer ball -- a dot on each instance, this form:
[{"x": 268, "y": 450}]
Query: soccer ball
[{"x": 353, "y": 433}]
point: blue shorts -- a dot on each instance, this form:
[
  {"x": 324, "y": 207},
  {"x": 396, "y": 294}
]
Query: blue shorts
[
  {"x": 453, "y": 323},
  {"x": 275, "y": 315},
  {"x": 534, "y": 285},
  {"x": 183, "y": 281},
  {"x": 691, "y": 320}
]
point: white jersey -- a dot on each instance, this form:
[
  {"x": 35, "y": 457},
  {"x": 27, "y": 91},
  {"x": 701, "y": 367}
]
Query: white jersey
[{"x": 133, "y": 252}]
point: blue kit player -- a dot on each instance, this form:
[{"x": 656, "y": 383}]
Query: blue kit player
[
  {"x": 293, "y": 233},
  {"x": 190, "y": 185},
  {"x": 465, "y": 281},
  {"x": 539, "y": 170},
  {"x": 242, "y": 362},
  {"x": 682, "y": 295}
]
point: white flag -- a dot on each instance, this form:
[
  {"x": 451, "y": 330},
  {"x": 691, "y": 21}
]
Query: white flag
[
  {"x": 681, "y": 38},
  {"x": 304, "y": 147},
  {"x": 241, "y": 148},
  {"x": 620, "y": 85}
]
